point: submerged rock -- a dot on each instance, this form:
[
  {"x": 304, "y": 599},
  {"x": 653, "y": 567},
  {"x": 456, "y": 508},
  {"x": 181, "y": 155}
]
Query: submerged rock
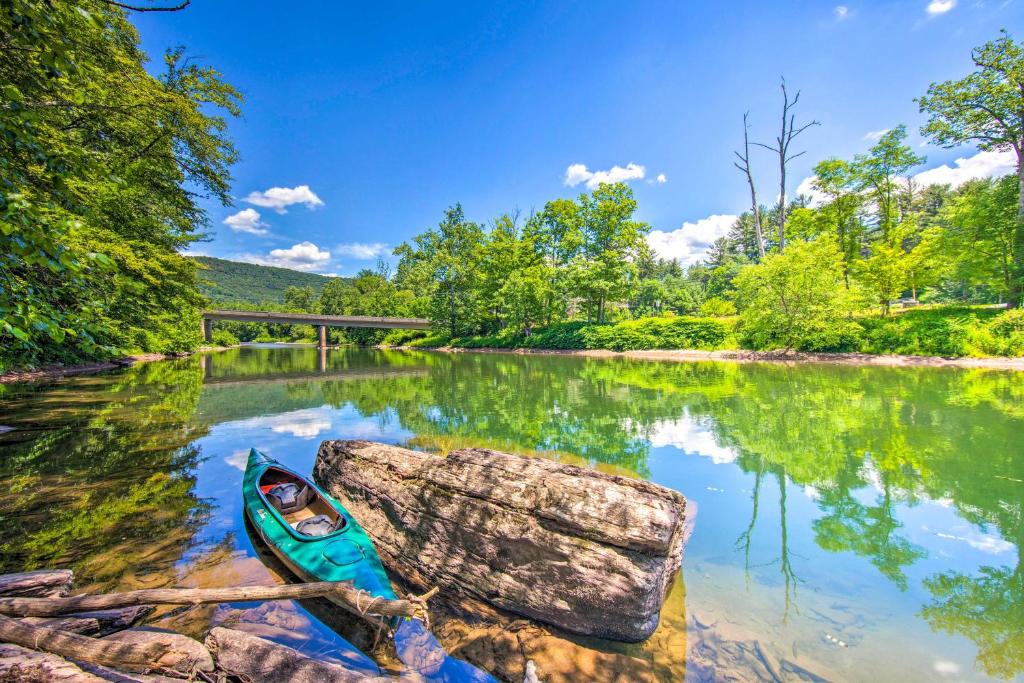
[{"x": 589, "y": 552}]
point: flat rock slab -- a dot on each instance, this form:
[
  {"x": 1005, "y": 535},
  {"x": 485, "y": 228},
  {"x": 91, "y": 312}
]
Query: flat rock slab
[{"x": 589, "y": 552}]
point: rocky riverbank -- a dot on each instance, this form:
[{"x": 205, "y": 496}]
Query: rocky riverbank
[{"x": 743, "y": 356}]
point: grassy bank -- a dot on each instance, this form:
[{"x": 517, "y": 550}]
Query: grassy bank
[{"x": 952, "y": 332}]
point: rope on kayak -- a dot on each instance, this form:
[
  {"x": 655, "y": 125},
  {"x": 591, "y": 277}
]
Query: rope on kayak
[{"x": 420, "y": 603}]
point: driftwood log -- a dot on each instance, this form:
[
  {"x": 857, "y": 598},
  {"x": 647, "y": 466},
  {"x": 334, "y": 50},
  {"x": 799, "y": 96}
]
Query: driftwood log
[
  {"x": 44, "y": 583},
  {"x": 337, "y": 591},
  {"x": 28, "y": 666},
  {"x": 99, "y": 623},
  {"x": 252, "y": 658},
  {"x": 586, "y": 551},
  {"x": 152, "y": 650}
]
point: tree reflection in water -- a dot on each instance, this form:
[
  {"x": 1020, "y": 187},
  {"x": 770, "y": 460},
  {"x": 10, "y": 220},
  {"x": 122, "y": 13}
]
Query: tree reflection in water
[
  {"x": 101, "y": 462},
  {"x": 98, "y": 476}
]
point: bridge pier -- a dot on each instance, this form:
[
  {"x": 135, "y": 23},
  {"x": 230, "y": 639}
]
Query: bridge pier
[
  {"x": 207, "y": 330},
  {"x": 323, "y": 336}
]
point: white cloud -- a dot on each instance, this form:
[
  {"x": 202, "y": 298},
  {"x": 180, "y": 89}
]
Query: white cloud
[
  {"x": 247, "y": 220},
  {"x": 982, "y": 165},
  {"x": 362, "y": 251},
  {"x": 875, "y": 134},
  {"x": 304, "y": 424},
  {"x": 279, "y": 198},
  {"x": 238, "y": 459},
  {"x": 806, "y": 188},
  {"x": 662, "y": 179},
  {"x": 841, "y": 11},
  {"x": 578, "y": 173},
  {"x": 690, "y": 242},
  {"x": 936, "y": 7},
  {"x": 301, "y": 256},
  {"x": 687, "y": 434},
  {"x": 944, "y": 667},
  {"x": 986, "y": 543}
]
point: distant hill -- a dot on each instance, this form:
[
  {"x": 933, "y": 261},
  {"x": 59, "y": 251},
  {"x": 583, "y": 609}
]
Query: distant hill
[{"x": 224, "y": 281}]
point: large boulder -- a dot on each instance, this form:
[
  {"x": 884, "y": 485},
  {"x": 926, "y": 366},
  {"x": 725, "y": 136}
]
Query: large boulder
[{"x": 589, "y": 552}]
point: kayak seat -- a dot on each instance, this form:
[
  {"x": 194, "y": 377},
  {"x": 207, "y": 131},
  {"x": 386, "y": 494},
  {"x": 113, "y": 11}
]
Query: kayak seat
[
  {"x": 320, "y": 525},
  {"x": 289, "y": 497}
]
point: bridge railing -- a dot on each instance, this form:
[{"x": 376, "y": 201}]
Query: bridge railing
[{"x": 320, "y": 321}]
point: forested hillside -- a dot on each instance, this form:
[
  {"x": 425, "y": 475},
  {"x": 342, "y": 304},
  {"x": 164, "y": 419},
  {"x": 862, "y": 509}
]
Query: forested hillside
[{"x": 231, "y": 281}]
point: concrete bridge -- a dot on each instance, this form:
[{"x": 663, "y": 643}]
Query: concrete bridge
[{"x": 322, "y": 322}]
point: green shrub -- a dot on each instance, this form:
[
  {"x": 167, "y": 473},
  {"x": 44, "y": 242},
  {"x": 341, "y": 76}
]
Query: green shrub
[
  {"x": 937, "y": 332},
  {"x": 716, "y": 307},
  {"x": 1008, "y": 323},
  {"x": 625, "y": 336},
  {"x": 402, "y": 337},
  {"x": 224, "y": 338},
  {"x": 942, "y": 337},
  {"x": 431, "y": 341},
  {"x": 569, "y": 335},
  {"x": 834, "y": 338},
  {"x": 506, "y": 339}
]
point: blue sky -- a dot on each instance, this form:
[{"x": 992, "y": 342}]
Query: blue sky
[{"x": 362, "y": 122}]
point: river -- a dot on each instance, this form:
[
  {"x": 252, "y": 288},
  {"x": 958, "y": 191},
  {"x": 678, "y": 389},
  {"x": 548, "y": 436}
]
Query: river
[{"x": 853, "y": 523}]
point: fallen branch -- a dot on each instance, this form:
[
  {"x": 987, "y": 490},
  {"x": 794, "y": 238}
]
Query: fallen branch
[
  {"x": 43, "y": 583},
  {"x": 341, "y": 593},
  {"x": 144, "y": 651},
  {"x": 96, "y": 624}
]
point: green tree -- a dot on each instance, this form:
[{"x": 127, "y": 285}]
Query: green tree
[
  {"x": 881, "y": 171},
  {"x": 103, "y": 168},
  {"x": 839, "y": 181},
  {"x": 884, "y": 274},
  {"x": 981, "y": 226},
  {"x": 606, "y": 268},
  {"x": 450, "y": 256},
  {"x": 790, "y": 300},
  {"x": 986, "y": 107},
  {"x": 300, "y": 299}
]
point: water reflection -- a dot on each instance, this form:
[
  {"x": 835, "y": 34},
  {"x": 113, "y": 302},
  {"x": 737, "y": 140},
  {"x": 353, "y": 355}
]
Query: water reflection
[{"x": 854, "y": 523}]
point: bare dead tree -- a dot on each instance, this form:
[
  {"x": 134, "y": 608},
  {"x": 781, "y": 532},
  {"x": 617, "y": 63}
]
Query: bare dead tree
[
  {"x": 745, "y": 159},
  {"x": 786, "y": 135}
]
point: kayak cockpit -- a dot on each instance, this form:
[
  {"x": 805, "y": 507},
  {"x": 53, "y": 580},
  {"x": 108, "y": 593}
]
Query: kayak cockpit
[{"x": 300, "y": 505}]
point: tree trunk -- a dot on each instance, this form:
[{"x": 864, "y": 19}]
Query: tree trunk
[
  {"x": 338, "y": 592},
  {"x": 45, "y": 583},
  {"x": 147, "y": 650},
  {"x": 28, "y": 666},
  {"x": 782, "y": 190},
  {"x": 99, "y": 623}
]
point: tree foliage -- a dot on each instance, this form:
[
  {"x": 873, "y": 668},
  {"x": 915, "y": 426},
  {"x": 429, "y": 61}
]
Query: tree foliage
[
  {"x": 793, "y": 300},
  {"x": 103, "y": 167},
  {"x": 986, "y": 108}
]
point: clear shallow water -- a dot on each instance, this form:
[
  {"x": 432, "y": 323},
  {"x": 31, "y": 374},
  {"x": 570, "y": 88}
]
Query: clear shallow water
[{"x": 852, "y": 523}]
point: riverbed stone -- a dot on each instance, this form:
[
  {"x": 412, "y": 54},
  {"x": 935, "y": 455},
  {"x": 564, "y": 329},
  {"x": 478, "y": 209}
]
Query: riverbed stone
[{"x": 589, "y": 552}]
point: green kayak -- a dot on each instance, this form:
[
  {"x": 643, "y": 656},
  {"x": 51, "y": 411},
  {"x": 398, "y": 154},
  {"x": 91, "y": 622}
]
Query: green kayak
[
  {"x": 320, "y": 541},
  {"x": 308, "y": 530}
]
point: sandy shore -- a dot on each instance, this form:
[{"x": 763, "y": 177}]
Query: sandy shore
[{"x": 791, "y": 357}]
